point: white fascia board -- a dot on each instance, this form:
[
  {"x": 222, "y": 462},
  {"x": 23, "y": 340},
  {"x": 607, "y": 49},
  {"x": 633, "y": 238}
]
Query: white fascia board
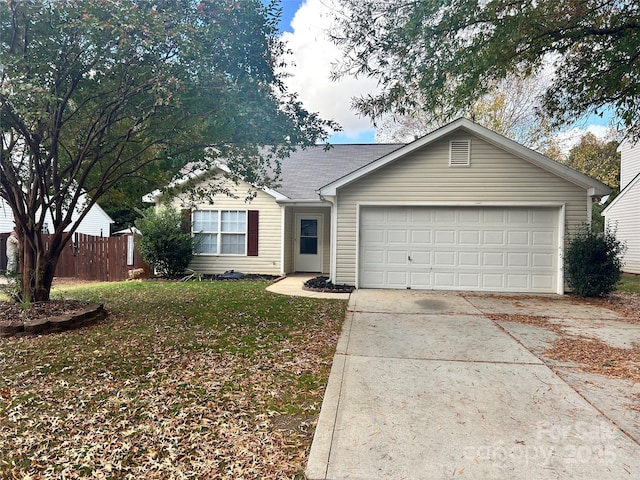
[
  {"x": 484, "y": 133},
  {"x": 303, "y": 203},
  {"x": 626, "y": 189}
]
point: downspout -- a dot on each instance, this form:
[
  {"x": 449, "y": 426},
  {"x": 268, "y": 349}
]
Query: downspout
[
  {"x": 333, "y": 262},
  {"x": 282, "y": 238},
  {"x": 591, "y": 192}
]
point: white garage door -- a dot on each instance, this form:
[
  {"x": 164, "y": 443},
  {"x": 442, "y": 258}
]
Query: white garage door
[{"x": 506, "y": 249}]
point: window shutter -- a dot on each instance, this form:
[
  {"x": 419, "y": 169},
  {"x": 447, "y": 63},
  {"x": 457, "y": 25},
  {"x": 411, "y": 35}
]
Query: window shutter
[
  {"x": 186, "y": 220},
  {"x": 252, "y": 233},
  {"x": 460, "y": 153}
]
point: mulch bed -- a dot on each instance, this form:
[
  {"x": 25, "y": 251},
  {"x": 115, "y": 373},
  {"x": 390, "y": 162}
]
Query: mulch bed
[
  {"x": 322, "y": 284},
  {"x": 36, "y": 310}
]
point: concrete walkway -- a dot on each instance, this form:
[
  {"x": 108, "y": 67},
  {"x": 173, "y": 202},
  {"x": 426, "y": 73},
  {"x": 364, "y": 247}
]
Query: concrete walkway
[
  {"x": 292, "y": 285},
  {"x": 424, "y": 386}
]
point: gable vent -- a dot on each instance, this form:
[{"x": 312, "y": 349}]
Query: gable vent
[{"x": 460, "y": 153}]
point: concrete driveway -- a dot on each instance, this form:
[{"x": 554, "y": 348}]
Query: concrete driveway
[{"x": 425, "y": 386}]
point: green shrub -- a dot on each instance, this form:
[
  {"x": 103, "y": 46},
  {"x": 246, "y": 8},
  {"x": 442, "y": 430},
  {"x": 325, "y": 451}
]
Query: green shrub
[
  {"x": 593, "y": 262},
  {"x": 164, "y": 242}
]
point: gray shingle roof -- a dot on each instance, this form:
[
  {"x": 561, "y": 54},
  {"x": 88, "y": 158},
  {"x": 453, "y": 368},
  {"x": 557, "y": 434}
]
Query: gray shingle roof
[{"x": 305, "y": 171}]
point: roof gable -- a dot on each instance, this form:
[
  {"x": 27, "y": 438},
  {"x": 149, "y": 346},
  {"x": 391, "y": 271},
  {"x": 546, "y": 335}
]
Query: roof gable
[
  {"x": 489, "y": 136},
  {"x": 305, "y": 170},
  {"x": 623, "y": 193}
]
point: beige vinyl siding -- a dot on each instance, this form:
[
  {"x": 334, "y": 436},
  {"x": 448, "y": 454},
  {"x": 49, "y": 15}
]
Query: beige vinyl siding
[
  {"x": 629, "y": 162},
  {"x": 268, "y": 259},
  {"x": 425, "y": 177},
  {"x": 624, "y": 218},
  {"x": 290, "y": 243}
]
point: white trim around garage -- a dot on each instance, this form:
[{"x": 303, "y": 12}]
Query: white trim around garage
[{"x": 560, "y": 226}]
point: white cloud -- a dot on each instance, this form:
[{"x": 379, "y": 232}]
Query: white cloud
[
  {"x": 312, "y": 56},
  {"x": 570, "y": 138}
]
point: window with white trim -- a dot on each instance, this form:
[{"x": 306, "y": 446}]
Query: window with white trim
[{"x": 220, "y": 232}]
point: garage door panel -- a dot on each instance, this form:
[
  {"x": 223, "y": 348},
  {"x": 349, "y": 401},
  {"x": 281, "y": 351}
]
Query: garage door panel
[
  {"x": 397, "y": 257},
  {"x": 495, "y": 216},
  {"x": 493, "y": 281},
  {"x": 518, "y": 281},
  {"x": 469, "y": 237},
  {"x": 445, "y": 215},
  {"x": 374, "y": 257},
  {"x": 469, "y": 248},
  {"x": 421, "y": 237},
  {"x": 542, "y": 260},
  {"x": 420, "y": 278},
  {"x": 444, "y": 280},
  {"x": 518, "y": 216},
  {"x": 539, "y": 282},
  {"x": 397, "y": 279},
  {"x": 372, "y": 216},
  {"x": 444, "y": 259},
  {"x": 493, "y": 237},
  {"x": 445, "y": 237},
  {"x": 469, "y": 259},
  {"x": 469, "y": 216},
  {"x": 543, "y": 238},
  {"x": 544, "y": 217},
  {"x": 420, "y": 257},
  {"x": 518, "y": 259},
  {"x": 397, "y": 236},
  {"x": 373, "y": 235},
  {"x": 493, "y": 259},
  {"x": 469, "y": 280},
  {"x": 515, "y": 237}
]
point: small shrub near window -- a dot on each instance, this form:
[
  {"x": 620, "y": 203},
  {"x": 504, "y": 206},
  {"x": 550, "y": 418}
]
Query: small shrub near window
[
  {"x": 164, "y": 242},
  {"x": 593, "y": 262}
]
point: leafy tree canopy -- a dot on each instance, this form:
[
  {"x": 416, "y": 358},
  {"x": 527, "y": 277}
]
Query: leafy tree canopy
[
  {"x": 597, "y": 158},
  {"x": 94, "y": 92},
  {"x": 510, "y": 109},
  {"x": 441, "y": 55}
]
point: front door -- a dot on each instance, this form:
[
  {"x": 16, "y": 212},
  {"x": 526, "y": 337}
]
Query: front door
[{"x": 308, "y": 243}]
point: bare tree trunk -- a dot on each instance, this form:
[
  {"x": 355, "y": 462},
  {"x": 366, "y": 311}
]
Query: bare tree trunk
[{"x": 38, "y": 266}]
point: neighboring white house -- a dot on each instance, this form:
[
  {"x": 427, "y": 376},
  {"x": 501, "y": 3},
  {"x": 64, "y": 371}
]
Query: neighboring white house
[
  {"x": 462, "y": 208},
  {"x": 623, "y": 213},
  {"x": 96, "y": 222}
]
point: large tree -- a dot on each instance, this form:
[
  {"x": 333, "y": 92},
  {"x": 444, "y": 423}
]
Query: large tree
[
  {"x": 95, "y": 92},
  {"x": 511, "y": 108},
  {"x": 442, "y": 55},
  {"x": 598, "y": 158}
]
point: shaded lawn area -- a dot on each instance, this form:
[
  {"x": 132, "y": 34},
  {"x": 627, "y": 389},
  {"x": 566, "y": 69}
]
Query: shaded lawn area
[
  {"x": 183, "y": 380},
  {"x": 629, "y": 284}
]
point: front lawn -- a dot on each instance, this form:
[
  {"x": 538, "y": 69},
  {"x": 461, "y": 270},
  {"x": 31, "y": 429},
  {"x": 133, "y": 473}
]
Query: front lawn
[
  {"x": 183, "y": 380},
  {"x": 629, "y": 284}
]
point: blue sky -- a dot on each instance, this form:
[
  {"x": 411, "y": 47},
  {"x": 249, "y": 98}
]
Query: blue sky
[
  {"x": 289, "y": 8},
  {"x": 303, "y": 26}
]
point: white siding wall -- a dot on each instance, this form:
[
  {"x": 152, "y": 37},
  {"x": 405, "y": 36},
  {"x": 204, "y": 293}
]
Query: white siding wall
[
  {"x": 96, "y": 222},
  {"x": 425, "y": 177},
  {"x": 629, "y": 162},
  {"x": 624, "y": 217},
  {"x": 268, "y": 259}
]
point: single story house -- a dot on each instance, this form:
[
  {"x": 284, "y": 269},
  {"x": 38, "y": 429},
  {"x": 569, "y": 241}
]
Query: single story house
[
  {"x": 623, "y": 213},
  {"x": 96, "y": 222},
  {"x": 462, "y": 208}
]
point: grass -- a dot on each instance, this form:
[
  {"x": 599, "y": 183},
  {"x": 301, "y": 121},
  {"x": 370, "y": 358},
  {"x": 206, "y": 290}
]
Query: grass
[
  {"x": 183, "y": 380},
  {"x": 629, "y": 284}
]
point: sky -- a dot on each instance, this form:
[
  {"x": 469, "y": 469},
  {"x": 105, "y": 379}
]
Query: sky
[{"x": 303, "y": 25}]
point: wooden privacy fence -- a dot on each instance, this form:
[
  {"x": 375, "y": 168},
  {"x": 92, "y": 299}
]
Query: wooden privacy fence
[{"x": 106, "y": 259}]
